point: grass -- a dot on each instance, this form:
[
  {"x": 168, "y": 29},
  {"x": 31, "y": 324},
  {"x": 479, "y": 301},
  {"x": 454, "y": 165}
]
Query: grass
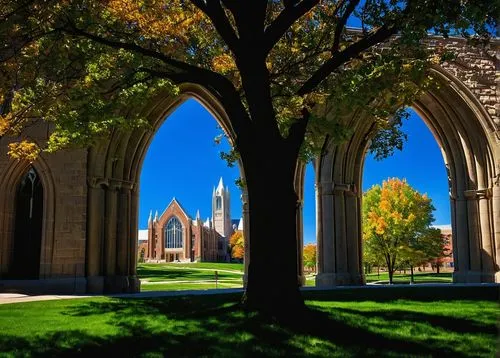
[
  {"x": 201, "y": 276},
  {"x": 189, "y": 276},
  {"x": 216, "y": 326},
  {"x": 419, "y": 277}
]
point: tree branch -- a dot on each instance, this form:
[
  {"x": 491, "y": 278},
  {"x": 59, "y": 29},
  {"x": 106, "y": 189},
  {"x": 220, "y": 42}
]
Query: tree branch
[
  {"x": 341, "y": 24},
  {"x": 293, "y": 11},
  {"x": 213, "y": 9},
  {"x": 382, "y": 34}
]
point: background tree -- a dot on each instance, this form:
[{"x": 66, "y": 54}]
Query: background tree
[
  {"x": 285, "y": 72},
  {"x": 396, "y": 223},
  {"x": 424, "y": 247},
  {"x": 237, "y": 244},
  {"x": 309, "y": 256}
]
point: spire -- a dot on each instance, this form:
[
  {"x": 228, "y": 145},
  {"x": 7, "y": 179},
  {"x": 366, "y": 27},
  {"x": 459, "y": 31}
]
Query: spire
[
  {"x": 213, "y": 193},
  {"x": 220, "y": 187},
  {"x": 198, "y": 214},
  {"x": 156, "y": 216},
  {"x": 150, "y": 219}
]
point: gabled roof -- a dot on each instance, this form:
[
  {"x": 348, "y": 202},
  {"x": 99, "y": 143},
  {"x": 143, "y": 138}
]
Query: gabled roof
[{"x": 175, "y": 202}]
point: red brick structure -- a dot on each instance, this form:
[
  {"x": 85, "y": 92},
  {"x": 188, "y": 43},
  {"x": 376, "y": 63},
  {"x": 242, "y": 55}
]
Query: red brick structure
[{"x": 175, "y": 236}]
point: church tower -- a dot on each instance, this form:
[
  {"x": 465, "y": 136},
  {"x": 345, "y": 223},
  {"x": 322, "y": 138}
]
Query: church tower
[{"x": 221, "y": 214}]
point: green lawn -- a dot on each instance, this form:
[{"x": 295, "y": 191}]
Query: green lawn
[
  {"x": 201, "y": 276},
  {"x": 189, "y": 276},
  {"x": 419, "y": 277},
  {"x": 216, "y": 326}
]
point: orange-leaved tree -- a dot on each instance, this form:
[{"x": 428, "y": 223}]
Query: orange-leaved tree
[
  {"x": 395, "y": 219},
  {"x": 237, "y": 244},
  {"x": 310, "y": 256}
]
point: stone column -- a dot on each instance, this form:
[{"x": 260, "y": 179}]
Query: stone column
[
  {"x": 134, "y": 282},
  {"x": 319, "y": 228},
  {"x": 326, "y": 241},
  {"x": 482, "y": 262},
  {"x": 354, "y": 237},
  {"x": 95, "y": 214},
  {"x": 342, "y": 276},
  {"x": 496, "y": 227},
  {"x": 111, "y": 213},
  {"x": 461, "y": 250},
  {"x": 338, "y": 258}
]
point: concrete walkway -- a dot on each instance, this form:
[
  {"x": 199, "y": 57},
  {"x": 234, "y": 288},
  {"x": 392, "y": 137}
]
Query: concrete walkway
[{"x": 17, "y": 297}]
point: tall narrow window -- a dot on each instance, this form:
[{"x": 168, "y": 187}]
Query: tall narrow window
[
  {"x": 28, "y": 227},
  {"x": 173, "y": 233},
  {"x": 218, "y": 203}
]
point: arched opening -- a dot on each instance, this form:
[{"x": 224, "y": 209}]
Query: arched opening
[
  {"x": 421, "y": 165},
  {"x": 189, "y": 203},
  {"x": 465, "y": 132},
  {"x": 309, "y": 248},
  {"x": 25, "y": 262}
]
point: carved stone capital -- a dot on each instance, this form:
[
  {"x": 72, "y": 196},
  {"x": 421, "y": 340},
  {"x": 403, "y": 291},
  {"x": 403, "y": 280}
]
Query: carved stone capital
[
  {"x": 97, "y": 182},
  {"x": 478, "y": 194}
]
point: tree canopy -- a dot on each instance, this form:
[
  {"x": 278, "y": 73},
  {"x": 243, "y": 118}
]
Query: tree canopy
[
  {"x": 237, "y": 244},
  {"x": 87, "y": 66},
  {"x": 310, "y": 256},
  {"x": 396, "y": 225},
  {"x": 287, "y": 74}
]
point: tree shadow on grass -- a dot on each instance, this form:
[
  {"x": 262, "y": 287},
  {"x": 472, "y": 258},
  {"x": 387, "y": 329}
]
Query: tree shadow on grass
[{"x": 217, "y": 326}]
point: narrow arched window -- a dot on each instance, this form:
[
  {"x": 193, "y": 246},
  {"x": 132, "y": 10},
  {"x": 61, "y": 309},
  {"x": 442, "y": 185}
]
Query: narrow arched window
[
  {"x": 173, "y": 234},
  {"x": 28, "y": 227},
  {"x": 218, "y": 203}
]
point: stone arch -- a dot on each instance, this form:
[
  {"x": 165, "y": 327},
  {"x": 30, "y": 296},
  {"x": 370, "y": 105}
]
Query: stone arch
[
  {"x": 9, "y": 183},
  {"x": 114, "y": 168},
  {"x": 469, "y": 140}
]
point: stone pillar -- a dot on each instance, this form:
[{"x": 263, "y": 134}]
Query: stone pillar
[
  {"x": 496, "y": 226},
  {"x": 319, "y": 227},
  {"x": 95, "y": 214},
  {"x": 246, "y": 234},
  {"x": 483, "y": 261},
  {"x": 354, "y": 237},
  {"x": 134, "y": 282},
  {"x": 326, "y": 241},
  {"x": 461, "y": 250},
  {"x": 338, "y": 258},
  {"x": 342, "y": 274}
]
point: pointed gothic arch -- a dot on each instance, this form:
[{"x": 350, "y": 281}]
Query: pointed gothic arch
[
  {"x": 40, "y": 260},
  {"x": 114, "y": 168},
  {"x": 469, "y": 142}
]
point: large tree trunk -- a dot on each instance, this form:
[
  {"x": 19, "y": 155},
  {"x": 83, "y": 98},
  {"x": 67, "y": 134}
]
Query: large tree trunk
[{"x": 272, "y": 285}]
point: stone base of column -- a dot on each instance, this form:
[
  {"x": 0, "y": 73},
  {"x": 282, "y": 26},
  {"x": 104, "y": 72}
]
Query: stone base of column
[
  {"x": 117, "y": 284},
  {"x": 62, "y": 286},
  {"x": 95, "y": 284},
  {"x": 475, "y": 277},
  {"x": 497, "y": 277},
  {"x": 338, "y": 279},
  {"x": 134, "y": 284}
]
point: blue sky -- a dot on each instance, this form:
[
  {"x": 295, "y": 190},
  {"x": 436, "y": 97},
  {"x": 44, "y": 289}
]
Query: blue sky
[{"x": 184, "y": 162}]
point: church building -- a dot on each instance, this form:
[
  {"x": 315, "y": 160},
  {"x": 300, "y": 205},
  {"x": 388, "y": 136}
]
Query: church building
[{"x": 175, "y": 236}]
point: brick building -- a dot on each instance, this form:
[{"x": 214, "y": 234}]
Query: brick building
[{"x": 175, "y": 236}]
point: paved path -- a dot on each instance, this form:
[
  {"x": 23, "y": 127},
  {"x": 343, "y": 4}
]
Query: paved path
[{"x": 16, "y": 297}]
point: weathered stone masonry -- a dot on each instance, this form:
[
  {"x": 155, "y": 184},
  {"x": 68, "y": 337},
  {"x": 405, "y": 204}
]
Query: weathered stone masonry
[{"x": 90, "y": 205}]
